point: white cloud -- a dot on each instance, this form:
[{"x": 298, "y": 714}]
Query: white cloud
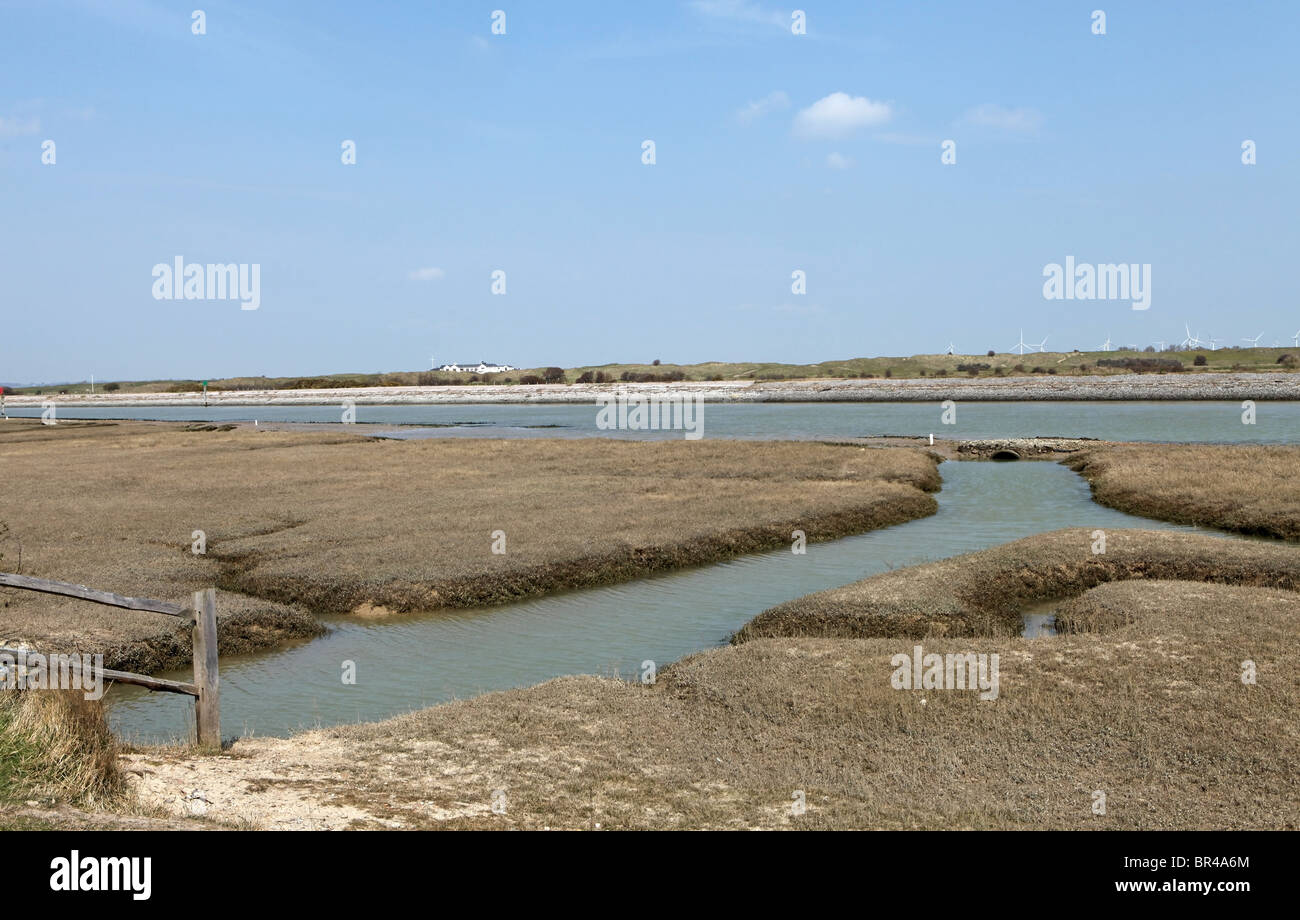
[
  {"x": 741, "y": 11},
  {"x": 14, "y": 127},
  {"x": 1001, "y": 118},
  {"x": 759, "y": 108},
  {"x": 426, "y": 274},
  {"x": 838, "y": 161},
  {"x": 839, "y": 114}
]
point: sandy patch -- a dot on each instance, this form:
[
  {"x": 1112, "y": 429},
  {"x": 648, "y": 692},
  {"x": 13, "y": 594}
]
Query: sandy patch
[
  {"x": 369, "y": 611},
  {"x": 267, "y": 783}
]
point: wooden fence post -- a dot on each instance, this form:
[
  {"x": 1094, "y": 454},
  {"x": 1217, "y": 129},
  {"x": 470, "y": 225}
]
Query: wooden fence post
[{"x": 207, "y": 705}]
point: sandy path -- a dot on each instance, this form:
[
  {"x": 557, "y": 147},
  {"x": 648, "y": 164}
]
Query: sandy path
[{"x": 266, "y": 783}]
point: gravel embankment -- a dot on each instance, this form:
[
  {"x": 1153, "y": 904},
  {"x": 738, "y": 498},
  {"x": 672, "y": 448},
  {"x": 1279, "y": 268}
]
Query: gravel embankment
[{"x": 1210, "y": 386}]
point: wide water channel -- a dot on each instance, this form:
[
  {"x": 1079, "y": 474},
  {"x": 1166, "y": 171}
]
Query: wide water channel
[
  {"x": 1276, "y": 422},
  {"x": 417, "y": 660}
]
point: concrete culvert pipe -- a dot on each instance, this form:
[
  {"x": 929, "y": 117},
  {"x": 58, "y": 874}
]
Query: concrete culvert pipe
[{"x": 1005, "y": 453}]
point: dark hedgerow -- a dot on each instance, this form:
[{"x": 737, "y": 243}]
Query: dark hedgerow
[
  {"x": 665, "y": 377},
  {"x": 1144, "y": 365}
]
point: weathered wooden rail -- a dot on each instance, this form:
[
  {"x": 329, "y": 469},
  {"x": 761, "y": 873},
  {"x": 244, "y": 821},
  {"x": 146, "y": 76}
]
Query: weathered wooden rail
[{"x": 202, "y": 616}]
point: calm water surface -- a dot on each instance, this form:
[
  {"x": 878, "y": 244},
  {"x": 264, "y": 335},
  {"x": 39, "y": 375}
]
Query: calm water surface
[
  {"x": 1277, "y": 422},
  {"x": 417, "y": 660}
]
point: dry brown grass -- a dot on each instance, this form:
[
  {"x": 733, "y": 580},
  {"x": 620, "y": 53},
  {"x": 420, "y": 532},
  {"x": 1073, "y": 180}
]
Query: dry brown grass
[
  {"x": 1242, "y": 488},
  {"x": 1153, "y": 713},
  {"x": 56, "y": 745},
  {"x": 330, "y": 522},
  {"x": 982, "y": 593},
  {"x": 1141, "y": 698}
]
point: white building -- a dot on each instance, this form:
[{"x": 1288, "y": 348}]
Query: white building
[{"x": 482, "y": 367}]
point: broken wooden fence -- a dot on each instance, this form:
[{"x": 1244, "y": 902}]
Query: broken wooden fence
[{"x": 202, "y": 617}]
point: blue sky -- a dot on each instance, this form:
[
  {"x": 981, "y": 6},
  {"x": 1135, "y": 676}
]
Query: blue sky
[{"x": 523, "y": 152}]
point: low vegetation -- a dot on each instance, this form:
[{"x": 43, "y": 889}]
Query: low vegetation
[
  {"x": 302, "y": 523},
  {"x": 795, "y": 725},
  {"x": 1264, "y": 360},
  {"x": 1148, "y": 708},
  {"x": 1143, "y": 365},
  {"x": 55, "y": 747},
  {"x": 1242, "y": 488},
  {"x": 982, "y": 593}
]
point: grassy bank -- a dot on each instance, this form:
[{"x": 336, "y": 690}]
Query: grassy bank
[
  {"x": 981, "y": 593},
  {"x": 301, "y": 523},
  {"x": 1262, "y": 360},
  {"x": 1241, "y": 488},
  {"x": 1147, "y": 708}
]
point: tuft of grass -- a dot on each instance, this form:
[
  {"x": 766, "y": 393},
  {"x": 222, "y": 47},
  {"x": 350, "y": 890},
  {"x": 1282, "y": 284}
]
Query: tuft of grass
[{"x": 56, "y": 745}]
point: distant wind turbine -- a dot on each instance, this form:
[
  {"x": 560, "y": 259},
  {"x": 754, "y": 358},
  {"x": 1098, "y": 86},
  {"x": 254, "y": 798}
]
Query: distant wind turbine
[
  {"x": 1254, "y": 343},
  {"x": 1160, "y": 346},
  {"x": 950, "y": 349},
  {"x": 1040, "y": 345},
  {"x": 1022, "y": 344},
  {"x": 1296, "y": 338},
  {"x": 1105, "y": 346}
]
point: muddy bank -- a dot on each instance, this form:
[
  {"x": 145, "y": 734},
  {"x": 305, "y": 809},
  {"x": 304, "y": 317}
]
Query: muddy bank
[
  {"x": 1140, "y": 696},
  {"x": 145, "y": 643},
  {"x": 982, "y": 593},
  {"x": 1240, "y": 488},
  {"x": 810, "y": 733},
  {"x": 295, "y": 524}
]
